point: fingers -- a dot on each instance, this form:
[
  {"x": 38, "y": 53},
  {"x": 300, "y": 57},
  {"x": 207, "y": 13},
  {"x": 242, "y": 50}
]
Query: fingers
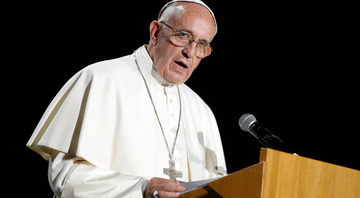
[
  {"x": 165, "y": 188},
  {"x": 163, "y": 194},
  {"x": 169, "y": 185}
]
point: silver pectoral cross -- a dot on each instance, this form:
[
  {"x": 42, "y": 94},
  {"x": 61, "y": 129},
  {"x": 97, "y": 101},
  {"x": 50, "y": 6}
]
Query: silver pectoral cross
[{"x": 173, "y": 174}]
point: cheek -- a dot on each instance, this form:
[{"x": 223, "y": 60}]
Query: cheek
[
  {"x": 161, "y": 60},
  {"x": 165, "y": 59}
]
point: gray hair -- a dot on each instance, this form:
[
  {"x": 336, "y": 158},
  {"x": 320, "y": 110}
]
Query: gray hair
[
  {"x": 173, "y": 10},
  {"x": 170, "y": 12}
]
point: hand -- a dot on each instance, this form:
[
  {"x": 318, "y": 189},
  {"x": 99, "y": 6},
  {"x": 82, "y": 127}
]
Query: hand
[{"x": 166, "y": 188}]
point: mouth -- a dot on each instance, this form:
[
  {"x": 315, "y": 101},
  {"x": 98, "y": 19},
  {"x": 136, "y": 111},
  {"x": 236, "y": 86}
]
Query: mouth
[{"x": 181, "y": 65}]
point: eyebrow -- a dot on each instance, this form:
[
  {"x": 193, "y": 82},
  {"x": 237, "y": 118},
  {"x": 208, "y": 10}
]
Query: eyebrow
[{"x": 192, "y": 34}]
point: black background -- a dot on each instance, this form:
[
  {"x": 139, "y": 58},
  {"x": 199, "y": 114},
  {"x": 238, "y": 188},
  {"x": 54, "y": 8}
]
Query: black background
[{"x": 288, "y": 64}]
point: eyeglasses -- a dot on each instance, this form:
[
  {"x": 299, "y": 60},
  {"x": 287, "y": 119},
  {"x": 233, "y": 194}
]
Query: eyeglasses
[{"x": 184, "y": 39}]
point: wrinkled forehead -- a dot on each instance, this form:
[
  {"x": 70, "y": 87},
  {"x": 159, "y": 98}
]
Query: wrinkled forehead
[
  {"x": 199, "y": 25},
  {"x": 190, "y": 1}
]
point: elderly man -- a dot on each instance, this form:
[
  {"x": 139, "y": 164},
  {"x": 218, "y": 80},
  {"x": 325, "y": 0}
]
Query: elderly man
[{"x": 129, "y": 127}]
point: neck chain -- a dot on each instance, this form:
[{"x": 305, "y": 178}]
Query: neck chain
[{"x": 157, "y": 116}]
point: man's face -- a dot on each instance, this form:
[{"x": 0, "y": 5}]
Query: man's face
[{"x": 175, "y": 64}]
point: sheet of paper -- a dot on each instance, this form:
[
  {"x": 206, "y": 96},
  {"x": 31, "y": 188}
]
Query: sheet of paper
[{"x": 195, "y": 184}]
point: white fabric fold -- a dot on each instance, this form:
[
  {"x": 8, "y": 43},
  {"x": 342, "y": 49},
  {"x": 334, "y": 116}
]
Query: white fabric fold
[{"x": 104, "y": 116}]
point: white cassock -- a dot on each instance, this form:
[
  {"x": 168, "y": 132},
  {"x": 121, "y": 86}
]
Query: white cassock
[{"x": 102, "y": 137}]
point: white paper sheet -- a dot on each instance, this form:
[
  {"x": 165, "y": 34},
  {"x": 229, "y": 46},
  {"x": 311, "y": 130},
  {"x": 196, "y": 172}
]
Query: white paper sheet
[{"x": 195, "y": 184}]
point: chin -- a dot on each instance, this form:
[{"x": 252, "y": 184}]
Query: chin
[{"x": 175, "y": 81}]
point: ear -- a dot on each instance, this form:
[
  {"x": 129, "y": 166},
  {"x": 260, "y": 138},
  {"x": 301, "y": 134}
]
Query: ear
[{"x": 154, "y": 32}]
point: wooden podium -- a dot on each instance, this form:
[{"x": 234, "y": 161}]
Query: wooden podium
[{"x": 283, "y": 175}]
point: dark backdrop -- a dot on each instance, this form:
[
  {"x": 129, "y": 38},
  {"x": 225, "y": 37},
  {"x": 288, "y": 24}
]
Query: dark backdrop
[{"x": 284, "y": 63}]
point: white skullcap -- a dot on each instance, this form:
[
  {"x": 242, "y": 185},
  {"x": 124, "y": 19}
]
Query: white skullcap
[{"x": 191, "y": 1}]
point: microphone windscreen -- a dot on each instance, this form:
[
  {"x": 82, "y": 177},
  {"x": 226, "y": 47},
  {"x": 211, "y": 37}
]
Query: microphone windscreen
[{"x": 246, "y": 120}]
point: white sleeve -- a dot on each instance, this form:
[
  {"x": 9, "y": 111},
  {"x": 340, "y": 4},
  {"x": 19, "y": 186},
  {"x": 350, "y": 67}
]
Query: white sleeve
[{"x": 71, "y": 176}]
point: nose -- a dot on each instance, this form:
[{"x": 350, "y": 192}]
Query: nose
[{"x": 190, "y": 50}]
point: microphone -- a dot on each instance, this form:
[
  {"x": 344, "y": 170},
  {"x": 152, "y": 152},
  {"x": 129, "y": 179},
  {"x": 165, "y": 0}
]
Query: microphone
[{"x": 266, "y": 137}]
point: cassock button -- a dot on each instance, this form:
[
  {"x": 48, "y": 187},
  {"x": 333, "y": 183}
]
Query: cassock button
[
  {"x": 173, "y": 130},
  {"x": 173, "y": 115},
  {"x": 171, "y": 100}
]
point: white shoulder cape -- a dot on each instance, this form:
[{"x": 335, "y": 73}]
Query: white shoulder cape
[{"x": 103, "y": 114}]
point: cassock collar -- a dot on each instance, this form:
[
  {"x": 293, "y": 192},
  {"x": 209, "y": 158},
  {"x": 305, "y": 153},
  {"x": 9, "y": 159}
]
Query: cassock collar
[{"x": 148, "y": 67}]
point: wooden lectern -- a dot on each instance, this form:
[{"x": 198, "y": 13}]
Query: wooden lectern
[{"x": 283, "y": 175}]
